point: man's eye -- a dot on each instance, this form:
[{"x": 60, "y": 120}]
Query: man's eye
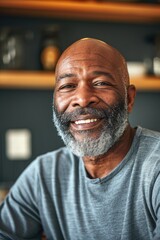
[
  {"x": 66, "y": 87},
  {"x": 101, "y": 84}
]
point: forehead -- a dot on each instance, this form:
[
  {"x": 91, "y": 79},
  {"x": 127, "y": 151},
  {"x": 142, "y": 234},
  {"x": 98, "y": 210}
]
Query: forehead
[{"x": 87, "y": 58}]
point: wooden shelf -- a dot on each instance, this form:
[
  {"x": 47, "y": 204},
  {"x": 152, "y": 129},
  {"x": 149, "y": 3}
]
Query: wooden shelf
[
  {"x": 146, "y": 83},
  {"x": 46, "y": 80},
  {"x": 27, "y": 79},
  {"x": 84, "y": 10}
]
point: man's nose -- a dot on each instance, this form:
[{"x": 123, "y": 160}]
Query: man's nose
[{"x": 84, "y": 97}]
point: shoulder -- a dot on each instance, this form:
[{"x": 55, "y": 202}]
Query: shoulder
[
  {"x": 51, "y": 162},
  {"x": 148, "y": 154},
  {"x": 55, "y": 157},
  {"x": 147, "y": 162},
  {"x": 150, "y": 148},
  {"x": 149, "y": 142},
  {"x": 50, "y": 158},
  {"x": 47, "y": 168},
  {"x": 150, "y": 135}
]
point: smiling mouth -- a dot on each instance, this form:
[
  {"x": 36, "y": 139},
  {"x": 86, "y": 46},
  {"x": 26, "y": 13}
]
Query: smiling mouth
[
  {"x": 78, "y": 122},
  {"x": 86, "y": 124}
]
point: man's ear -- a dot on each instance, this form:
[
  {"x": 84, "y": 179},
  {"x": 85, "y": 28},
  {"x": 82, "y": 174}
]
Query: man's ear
[{"x": 131, "y": 93}]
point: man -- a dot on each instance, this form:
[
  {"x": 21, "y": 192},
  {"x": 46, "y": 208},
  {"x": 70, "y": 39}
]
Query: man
[{"x": 105, "y": 184}]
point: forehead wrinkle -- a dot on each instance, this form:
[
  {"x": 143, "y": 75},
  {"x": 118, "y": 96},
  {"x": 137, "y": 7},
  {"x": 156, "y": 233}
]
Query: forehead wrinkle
[
  {"x": 70, "y": 53},
  {"x": 82, "y": 58}
]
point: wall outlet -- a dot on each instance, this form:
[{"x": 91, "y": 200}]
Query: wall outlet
[{"x": 18, "y": 144}]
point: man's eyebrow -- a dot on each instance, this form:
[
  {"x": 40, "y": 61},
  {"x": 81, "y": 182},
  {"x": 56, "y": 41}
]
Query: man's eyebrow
[{"x": 65, "y": 75}]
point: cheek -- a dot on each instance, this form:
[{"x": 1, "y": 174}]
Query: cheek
[
  {"x": 110, "y": 98},
  {"x": 61, "y": 102}
]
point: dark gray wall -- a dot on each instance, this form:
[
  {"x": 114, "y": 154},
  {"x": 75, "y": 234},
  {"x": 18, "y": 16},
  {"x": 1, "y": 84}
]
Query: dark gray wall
[
  {"x": 26, "y": 109},
  {"x": 32, "y": 109}
]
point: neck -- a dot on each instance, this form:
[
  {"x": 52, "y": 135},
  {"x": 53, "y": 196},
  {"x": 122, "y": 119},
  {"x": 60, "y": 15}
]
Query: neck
[{"x": 101, "y": 166}]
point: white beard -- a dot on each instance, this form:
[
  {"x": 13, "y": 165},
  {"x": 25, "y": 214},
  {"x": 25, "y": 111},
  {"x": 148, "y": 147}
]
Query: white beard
[{"x": 95, "y": 146}]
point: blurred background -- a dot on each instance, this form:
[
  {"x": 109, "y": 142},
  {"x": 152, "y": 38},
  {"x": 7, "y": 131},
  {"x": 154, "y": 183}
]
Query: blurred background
[{"x": 32, "y": 36}]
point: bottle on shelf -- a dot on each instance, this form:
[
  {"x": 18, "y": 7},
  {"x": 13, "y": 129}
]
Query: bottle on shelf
[{"x": 50, "y": 50}]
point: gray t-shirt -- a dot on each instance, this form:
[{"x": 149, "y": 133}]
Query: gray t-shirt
[{"x": 55, "y": 195}]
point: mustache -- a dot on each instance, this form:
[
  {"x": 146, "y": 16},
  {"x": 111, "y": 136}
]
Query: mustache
[{"x": 66, "y": 118}]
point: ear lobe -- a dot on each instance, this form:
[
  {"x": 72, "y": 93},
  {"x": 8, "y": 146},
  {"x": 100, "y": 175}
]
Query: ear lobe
[{"x": 131, "y": 93}]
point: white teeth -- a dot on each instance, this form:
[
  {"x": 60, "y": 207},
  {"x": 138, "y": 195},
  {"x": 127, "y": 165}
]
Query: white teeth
[{"x": 86, "y": 121}]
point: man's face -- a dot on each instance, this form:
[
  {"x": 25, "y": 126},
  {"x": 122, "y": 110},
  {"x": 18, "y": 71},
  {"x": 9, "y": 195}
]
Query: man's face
[{"x": 90, "y": 110}]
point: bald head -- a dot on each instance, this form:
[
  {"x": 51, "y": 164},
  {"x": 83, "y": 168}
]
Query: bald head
[{"x": 90, "y": 46}]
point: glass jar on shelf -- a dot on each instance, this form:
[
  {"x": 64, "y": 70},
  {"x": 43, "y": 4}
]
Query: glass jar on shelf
[{"x": 50, "y": 50}]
